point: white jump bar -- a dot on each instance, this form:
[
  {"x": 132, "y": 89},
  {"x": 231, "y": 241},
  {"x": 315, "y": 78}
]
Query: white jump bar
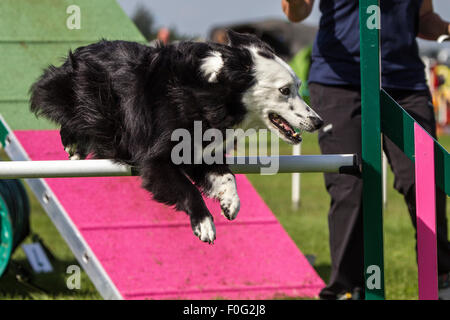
[{"x": 342, "y": 163}]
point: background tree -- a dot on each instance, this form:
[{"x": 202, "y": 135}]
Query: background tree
[{"x": 145, "y": 22}]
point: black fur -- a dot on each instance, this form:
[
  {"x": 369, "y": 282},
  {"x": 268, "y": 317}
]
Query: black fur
[{"x": 122, "y": 100}]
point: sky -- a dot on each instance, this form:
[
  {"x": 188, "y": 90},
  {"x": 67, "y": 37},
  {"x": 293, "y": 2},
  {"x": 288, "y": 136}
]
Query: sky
[{"x": 196, "y": 17}]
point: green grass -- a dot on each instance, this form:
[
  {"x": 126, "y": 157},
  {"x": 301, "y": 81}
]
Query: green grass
[{"x": 307, "y": 226}]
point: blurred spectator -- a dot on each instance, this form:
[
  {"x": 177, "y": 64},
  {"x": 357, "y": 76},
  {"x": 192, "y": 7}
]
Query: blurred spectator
[
  {"x": 220, "y": 36},
  {"x": 163, "y": 35}
]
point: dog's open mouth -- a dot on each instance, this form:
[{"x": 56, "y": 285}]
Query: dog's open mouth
[{"x": 284, "y": 127}]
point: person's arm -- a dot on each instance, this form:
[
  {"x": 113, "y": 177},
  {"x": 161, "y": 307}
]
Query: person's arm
[
  {"x": 297, "y": 10},
  {"x": 431, "y": 26}
]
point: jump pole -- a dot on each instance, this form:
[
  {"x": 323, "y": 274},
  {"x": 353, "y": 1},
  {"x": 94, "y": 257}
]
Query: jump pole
[
  {"x": 334, "y": 163},
  {"x": 340, "y": 163}
]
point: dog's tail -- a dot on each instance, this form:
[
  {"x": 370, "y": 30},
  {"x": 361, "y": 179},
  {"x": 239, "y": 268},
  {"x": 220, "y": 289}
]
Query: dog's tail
[{"x": 52, "y": 95}]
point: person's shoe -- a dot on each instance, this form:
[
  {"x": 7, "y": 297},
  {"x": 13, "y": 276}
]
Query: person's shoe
[
  {"x": 355, "y": 295},
  {"x": 444, "y": 286}
]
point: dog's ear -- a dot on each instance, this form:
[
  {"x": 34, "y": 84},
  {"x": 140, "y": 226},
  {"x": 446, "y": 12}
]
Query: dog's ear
[{"x": 236, "y": 39}]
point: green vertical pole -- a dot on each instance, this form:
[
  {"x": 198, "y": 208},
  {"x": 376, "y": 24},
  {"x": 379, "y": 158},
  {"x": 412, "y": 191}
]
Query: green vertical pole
[{"x": 369, "y": 14}]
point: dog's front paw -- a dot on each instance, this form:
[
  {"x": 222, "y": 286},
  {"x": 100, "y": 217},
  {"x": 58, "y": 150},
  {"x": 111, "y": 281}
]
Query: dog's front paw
[
  {"x": 205, "y": 229},
  {"x": 223, "y": 188},
  {"x": 72, "y": 152}
]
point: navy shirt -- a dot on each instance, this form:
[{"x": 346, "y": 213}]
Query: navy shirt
[{"x": 335, "y": 56}]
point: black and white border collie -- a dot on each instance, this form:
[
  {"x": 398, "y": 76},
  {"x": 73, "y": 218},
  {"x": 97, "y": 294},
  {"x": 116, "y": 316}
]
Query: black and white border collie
[{"x": 122, "y": 100}]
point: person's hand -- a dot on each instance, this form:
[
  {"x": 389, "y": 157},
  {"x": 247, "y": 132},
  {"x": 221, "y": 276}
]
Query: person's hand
[
  {"x": 297, "y": 10},
  {"x": 293, "y": 2}
]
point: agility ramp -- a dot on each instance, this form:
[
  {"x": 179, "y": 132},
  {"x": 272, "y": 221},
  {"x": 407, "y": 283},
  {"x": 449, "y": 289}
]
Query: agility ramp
[{"x": 135, "y": 248}]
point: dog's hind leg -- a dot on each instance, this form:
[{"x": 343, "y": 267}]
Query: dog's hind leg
[
  {"x": 218, "y": 182},
  {"x": 170, "y": 186}
]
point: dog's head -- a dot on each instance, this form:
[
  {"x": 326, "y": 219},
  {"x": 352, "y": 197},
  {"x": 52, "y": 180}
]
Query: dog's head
[{"x": 273, "y": 96}]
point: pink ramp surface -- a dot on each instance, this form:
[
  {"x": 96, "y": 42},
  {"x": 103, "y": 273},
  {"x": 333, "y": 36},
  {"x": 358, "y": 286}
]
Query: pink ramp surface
[{"x": 150, "y": 252}]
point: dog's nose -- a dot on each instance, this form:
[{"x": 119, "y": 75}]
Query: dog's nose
[{"x": 317, "y": 122}]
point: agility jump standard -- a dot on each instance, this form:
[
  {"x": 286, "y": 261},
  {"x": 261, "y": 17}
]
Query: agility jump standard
[{"x": 382, "y": 115}]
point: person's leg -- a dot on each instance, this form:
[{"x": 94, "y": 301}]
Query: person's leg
[
  {"x": 340, "y": 107},
  {"x": 418, "y": 105}
]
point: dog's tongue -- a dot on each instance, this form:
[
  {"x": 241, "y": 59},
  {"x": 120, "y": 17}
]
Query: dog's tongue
[{"x": 285, "y": 125}]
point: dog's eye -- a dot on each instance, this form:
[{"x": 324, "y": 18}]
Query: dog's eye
[{"x": 285, "y": 91}]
